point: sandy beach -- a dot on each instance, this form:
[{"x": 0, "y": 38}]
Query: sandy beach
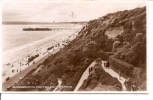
[{"x": 15, "y": 62}]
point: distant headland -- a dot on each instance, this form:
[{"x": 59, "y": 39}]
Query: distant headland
[{"x": 23, "y": 22}]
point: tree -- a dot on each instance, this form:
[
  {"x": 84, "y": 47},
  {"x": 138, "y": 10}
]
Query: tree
[{"x": 91, "y": 48}]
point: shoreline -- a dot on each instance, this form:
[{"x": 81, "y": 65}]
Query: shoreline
[
  {"x": 16, "y": 77},
  {"x": 33, "y": 45},
  {"x": 44, "y": 46}
]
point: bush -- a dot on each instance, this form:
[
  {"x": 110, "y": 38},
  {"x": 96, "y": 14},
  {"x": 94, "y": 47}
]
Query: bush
[
  {"x": 98, "y": 60},
  {"x": 125, "y": 68}
]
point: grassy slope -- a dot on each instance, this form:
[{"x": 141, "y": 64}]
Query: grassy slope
[{"x": 90, "y": 44}]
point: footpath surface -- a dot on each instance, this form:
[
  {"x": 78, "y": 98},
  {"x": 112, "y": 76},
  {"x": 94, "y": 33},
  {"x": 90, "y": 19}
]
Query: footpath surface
[
  {"x": 108, "y": 70},
  {"x": 114, "y": 74},
  {"x": 84, "y": 76},
  {"x": 15, "y": 78}
]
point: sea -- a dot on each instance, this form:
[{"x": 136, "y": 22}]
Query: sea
[{"x": 14, "y": 39}]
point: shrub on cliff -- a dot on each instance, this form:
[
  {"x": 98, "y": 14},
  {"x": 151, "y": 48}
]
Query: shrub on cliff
[
  {"x": 125, "y": 68},
  {"x": 92, "y": 84},
  {"x": 76, "y": 58},
  {"x": 106, "y": 79},
  {"x": 90, "y": 49},
  {"x": 99, "y": 61},
  {"x": 73, "y": 79}
]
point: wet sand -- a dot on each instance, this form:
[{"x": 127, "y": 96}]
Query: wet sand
[
  {"x": 21, "y": 57},
  {"x": 16, "y": 77}
]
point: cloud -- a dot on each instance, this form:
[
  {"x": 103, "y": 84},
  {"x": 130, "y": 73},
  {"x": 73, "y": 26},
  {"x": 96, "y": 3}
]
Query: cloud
[{"x": 61, "y": 11}]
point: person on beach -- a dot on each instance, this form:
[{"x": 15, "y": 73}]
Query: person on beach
[
  {"x": 8, "y": 64},
  {"x": 7, "y": 78},
  {"x": 17, "y": 70}
]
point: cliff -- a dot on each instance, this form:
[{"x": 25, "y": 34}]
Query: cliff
[{"x": 98, "y": 36}]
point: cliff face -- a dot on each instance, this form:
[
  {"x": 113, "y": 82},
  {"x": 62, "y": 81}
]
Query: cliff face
[
  {"x": 128, "y": 28},
  {"x": 98, "y": 36}
]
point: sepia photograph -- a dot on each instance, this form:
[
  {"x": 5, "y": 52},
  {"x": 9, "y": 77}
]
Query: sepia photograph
[{"x": 74, "y": 46}]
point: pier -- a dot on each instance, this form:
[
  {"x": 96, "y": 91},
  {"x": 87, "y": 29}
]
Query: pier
[{"x": 50, "y": 29}]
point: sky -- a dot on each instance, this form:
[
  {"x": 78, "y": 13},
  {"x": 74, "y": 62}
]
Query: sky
[{"x": 64, "y": 10}]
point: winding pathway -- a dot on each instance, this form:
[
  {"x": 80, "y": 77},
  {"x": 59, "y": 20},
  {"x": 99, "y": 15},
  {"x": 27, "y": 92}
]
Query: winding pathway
[
  {"x": 114, "y": 74},
  {"x": 59, "y": 84},
  {"x": 110, "y": 71},
  {"x": 84, "y": 76}
]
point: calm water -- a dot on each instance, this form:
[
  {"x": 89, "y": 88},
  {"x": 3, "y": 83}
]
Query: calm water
[
  {"x": 13, "y": 36},
  {"x": 16, "y": 43}
]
